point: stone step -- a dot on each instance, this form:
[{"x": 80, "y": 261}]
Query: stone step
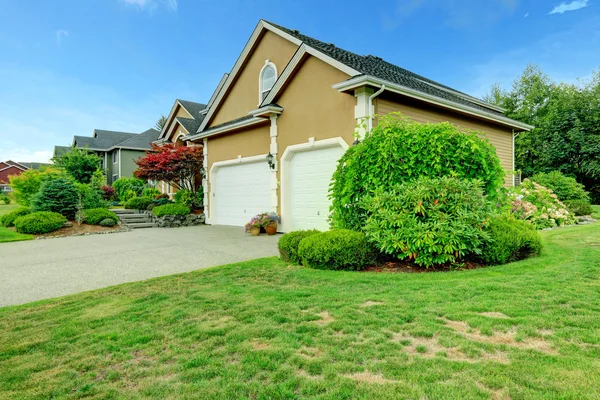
[
  {"x": 120, "y": 211},
  {"x": 141, "y": 225},
  {"x": 134, "y": 216}
]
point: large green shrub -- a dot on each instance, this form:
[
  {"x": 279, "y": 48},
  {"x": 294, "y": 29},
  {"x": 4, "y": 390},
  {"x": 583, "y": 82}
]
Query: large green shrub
[
  {"x": 127, "y": 188},
  {"x": 170, "y": 209},
  {"x": 151, "y": 192},
  {"x": 8, "y": 220},
  {"x": 537, "y": 205},
  {"x": 27, "y": 184},
  {"x": 341, "y": 249},
  {"x": 80, "y": 164},
  {"x": 4, "y": 199},
  {"x": 430, "y": 220},
  {"x": 399, "y": 150},
  {"x": 189, "y": 198},
  {"x": 579, "y": 207},
  {"x": 289, "y": 242},
  {"x": 58, "y": 195},
  {"x": 40, "y": 222},
  {"x": 96, "y": 215},
  {"x": 510, "y": 240},
  {"x": 90, "y": 196},
  {"x": 138, "y": 203},
  {"x": 565, "y": 187}
]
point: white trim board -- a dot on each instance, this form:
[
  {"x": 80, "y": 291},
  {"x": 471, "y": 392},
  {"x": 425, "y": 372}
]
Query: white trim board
[
  {"x": 408, "y": 92},
  {"x": 216, "y": 131},
  {"x": 284, "y": 174}
]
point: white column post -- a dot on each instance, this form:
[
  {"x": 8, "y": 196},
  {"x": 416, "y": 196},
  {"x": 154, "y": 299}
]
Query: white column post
[
  {"x": 273, "y": 149},
  {"x": 361, "y": 110},
  {"x": 205, "y": 180}
]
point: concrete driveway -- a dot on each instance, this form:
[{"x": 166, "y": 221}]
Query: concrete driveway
[{"x": 42, "y": 269}]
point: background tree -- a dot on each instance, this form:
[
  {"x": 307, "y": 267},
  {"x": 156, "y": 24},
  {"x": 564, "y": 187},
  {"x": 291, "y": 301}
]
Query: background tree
[
  {"x": 160, "y": 124},
  {"x": 177, "y": 164},
  {"x": 566, "y": 117},
  {"x": 80, "y": 164}
]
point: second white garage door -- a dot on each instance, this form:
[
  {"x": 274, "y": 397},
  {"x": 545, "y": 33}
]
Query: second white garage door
[
  {"x": 310, "y": 174},
  {"x": 239, "y": 192}
]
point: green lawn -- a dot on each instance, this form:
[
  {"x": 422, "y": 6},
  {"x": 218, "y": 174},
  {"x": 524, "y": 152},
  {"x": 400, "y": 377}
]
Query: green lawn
[
  {"x": 263, "y": 329},
  {"x": 6, "y": 235}
]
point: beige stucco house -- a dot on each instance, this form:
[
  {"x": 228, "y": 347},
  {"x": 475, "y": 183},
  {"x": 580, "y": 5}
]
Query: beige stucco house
[{"x": 300, "y": 100}]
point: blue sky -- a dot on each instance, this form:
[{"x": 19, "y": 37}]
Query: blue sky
[{"x": 69, "y": 66}]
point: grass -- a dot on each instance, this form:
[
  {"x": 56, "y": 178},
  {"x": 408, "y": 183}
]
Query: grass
[
  {"x": 6, "y": 235},
  {"x": 264, "y": 329}
]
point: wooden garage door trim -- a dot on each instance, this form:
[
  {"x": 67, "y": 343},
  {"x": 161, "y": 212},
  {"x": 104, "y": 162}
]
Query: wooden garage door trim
[
  {"x": 213, "y": 171},
  {"x": 286, "y": 158}
]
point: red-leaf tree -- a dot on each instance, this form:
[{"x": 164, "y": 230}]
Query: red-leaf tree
[{"x": 180, "y": 165}]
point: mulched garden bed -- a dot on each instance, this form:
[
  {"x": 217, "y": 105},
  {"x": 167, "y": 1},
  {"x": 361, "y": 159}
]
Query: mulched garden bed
[
  {"x": 408, "y": 267},
  {"x": 80, "y": 230}
]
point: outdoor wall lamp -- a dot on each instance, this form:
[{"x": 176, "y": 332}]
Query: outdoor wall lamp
[
  {"x": 203, "y": 172},
  {"x": 270, "y": 161}
]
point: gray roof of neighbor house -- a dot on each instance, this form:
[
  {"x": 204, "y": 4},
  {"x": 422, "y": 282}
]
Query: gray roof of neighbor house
[
  {"x": 60, "y": 150},
  {"x": 379, "y": 68},
  {"x": 141, "y": 141},
  {"x": 104, "y": 140},
  {"x": 34, "y": 165},
  {"x": 192, "y": 107}
]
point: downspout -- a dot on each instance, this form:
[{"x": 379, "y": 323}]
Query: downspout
[{"x": 370, "y": 105}]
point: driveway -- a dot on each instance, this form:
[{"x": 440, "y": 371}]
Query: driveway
[{"x": 42, "y": 269}]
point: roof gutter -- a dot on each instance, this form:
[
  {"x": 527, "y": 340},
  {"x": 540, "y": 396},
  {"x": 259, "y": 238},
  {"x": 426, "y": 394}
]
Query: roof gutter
[
  {"x": 217, "y": 130},
  {"x": 371, "y": 108},
  {"x": 363, "y": 80}
]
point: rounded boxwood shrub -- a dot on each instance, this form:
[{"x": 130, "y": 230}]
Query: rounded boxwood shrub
[
  {"x": 95, "y": 216},
  {"x": 340, "y": 249},
  {"x": 510, "y": 240},
  {"x": 59, "y": 196},
  {"x": 138, "y": 203},
  {"x": 40, "y": 222},
  {"x": 8, "y": 220},
  {"x": 289, "y": 242},
  {"x": 170, "y": 209},
  {"x": 579, "y": 207},
  {"x": 564, "y": 187},
  {"x": 400, "y": 150},
  {"x": 430, "y": 220},
  {"x": 108, "y": 222}
]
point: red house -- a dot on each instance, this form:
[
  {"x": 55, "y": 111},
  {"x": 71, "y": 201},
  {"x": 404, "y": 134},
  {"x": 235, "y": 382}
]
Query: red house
[{"x": 8, "y": 168}]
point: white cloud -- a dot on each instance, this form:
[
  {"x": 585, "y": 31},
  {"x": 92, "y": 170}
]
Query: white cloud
[
  {"x": 526, "y": 15},
  {"x": 151, "y": 5},
  {"x": 572, "y": 6},
  {"x": 59, "y": 35},
  {"x": 26, "y": 155}
]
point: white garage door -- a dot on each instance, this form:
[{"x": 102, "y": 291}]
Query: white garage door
[
  {"x": 310, "y": 175},
  {"x": 239, "y": 192}
]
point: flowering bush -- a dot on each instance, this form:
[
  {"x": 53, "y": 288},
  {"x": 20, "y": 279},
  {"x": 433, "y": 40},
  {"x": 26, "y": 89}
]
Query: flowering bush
[
  {"x": 261, "y": 221},
  {"x": 539, "y": 206}
]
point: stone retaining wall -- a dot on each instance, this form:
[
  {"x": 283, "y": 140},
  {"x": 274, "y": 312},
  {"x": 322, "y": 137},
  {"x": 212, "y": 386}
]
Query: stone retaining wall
[{"x": 174, "y": 221}]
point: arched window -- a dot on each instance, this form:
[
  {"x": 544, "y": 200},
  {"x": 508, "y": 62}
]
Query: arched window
[{"x": 268, "y": 76}]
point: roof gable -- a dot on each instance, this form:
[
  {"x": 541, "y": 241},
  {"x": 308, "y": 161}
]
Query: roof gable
[{"x": 181, "y": 109}]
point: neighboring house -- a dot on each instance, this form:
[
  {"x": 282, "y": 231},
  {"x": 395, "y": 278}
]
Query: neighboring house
[
  {"x": 184, "y": 119},
  {"x": 10, "y": 168},
  {"x": 118, "y": 150},
  {"x": 299, "y": 99}
]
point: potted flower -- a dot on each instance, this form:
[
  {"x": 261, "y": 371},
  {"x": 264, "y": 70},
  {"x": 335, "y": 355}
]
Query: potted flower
[
  {"x": 271, "y": 219},
  {"x": 253, "y": 226}
]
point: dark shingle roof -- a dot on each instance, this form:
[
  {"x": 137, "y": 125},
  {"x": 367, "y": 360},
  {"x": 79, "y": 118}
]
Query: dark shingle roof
[
  {"x": 379, "y": 68},
  {"x": 140, "y": 141},
  {"x": 60, "y": 150},
  {"x": 192, "y": 107},
  {"x": 34, "y": 165},
  {"x": 191, "y": 125}
]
